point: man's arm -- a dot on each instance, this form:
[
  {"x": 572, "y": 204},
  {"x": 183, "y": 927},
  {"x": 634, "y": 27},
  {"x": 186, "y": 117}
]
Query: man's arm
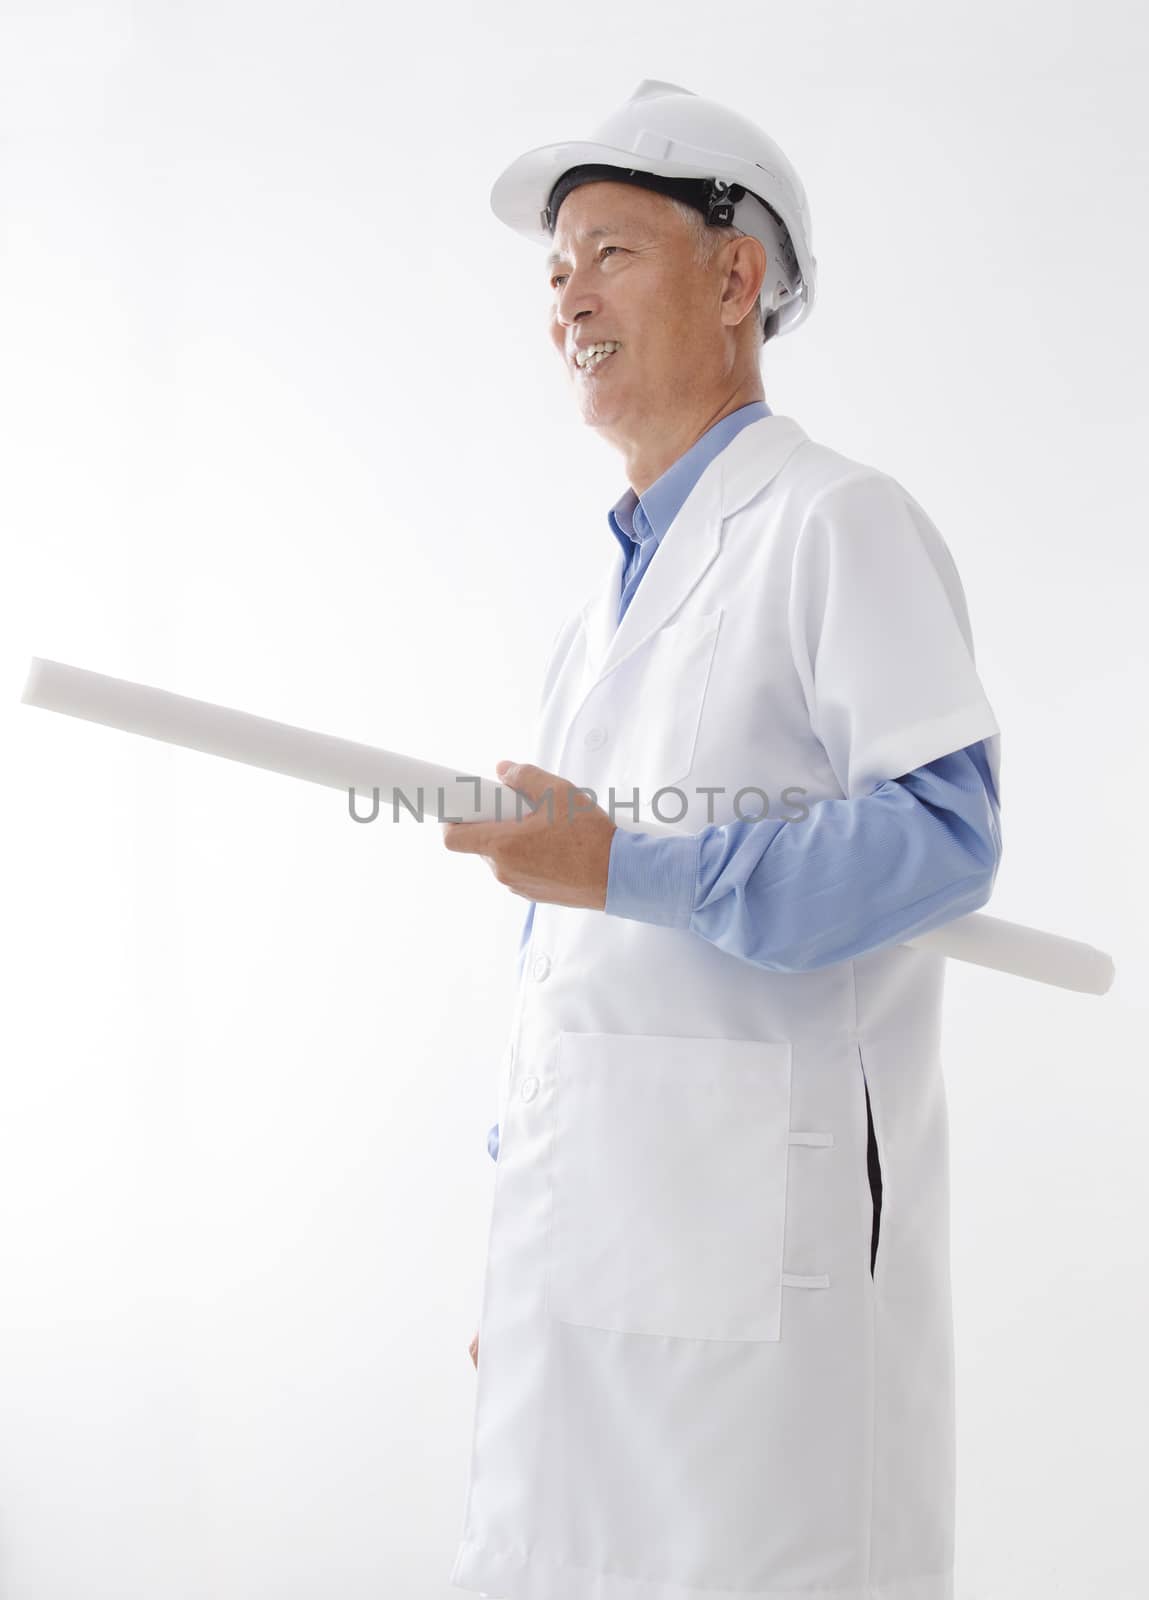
[{"x": 853, "y": 875}]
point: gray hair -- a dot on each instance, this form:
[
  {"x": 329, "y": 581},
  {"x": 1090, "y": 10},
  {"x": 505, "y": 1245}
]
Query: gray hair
[{"x": 705, "y": 237}]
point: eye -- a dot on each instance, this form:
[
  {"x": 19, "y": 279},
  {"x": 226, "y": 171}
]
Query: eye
[{"x": 559, "y": 276}]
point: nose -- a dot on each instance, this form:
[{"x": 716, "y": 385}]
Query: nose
[{"x": 575, "y": 301}]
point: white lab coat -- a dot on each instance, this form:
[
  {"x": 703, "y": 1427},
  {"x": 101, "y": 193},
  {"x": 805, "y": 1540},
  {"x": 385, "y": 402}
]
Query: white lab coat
[{"x": 689, "y": 1386}]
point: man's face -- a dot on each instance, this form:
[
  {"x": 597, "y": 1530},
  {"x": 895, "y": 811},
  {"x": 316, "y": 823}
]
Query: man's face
[{"x": 626, "y": 270}]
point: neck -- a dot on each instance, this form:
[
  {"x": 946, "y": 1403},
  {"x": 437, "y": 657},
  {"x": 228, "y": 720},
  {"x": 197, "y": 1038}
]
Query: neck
[{"x": 647, "y": 458}]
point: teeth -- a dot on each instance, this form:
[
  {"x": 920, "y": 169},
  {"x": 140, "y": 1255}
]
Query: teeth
[{"x": 583, "y": 357}]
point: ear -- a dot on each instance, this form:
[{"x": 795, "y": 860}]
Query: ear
[{"x": 745, "y": 270}]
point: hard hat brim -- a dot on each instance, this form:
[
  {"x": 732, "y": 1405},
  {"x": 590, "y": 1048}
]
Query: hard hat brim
[{"x": 521, "y": 190}]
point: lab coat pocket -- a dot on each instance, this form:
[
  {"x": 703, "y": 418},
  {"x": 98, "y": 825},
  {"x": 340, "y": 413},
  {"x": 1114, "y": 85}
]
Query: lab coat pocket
[
  {"x": 669, "y": 1165},
  {"x": 665, "y": 691}
]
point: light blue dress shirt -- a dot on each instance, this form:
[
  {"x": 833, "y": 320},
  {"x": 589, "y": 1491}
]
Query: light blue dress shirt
[{"x": 860, "y": 873}]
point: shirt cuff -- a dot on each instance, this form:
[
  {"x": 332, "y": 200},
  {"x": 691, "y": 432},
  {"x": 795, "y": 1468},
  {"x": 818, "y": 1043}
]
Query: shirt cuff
[{"x": 652, "y": 877}]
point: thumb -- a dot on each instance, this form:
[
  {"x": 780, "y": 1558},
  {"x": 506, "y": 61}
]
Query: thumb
[{"x": 527, "y": 779}]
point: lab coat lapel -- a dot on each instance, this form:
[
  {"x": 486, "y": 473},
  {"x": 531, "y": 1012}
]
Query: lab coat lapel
[{"x": 688, "y": 548}]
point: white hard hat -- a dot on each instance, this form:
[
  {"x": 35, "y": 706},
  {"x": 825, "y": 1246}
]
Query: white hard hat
[{"x": 734, "y": 173}]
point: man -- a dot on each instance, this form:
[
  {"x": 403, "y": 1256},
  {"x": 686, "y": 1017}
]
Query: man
[{"x": 703, "y": 1373}]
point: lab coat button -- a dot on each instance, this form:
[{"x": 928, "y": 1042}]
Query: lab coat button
[
  {"x": 540, "y": 967},
  {"x": 530, "y": 1088},
  {"x": 595, "y": 737}
]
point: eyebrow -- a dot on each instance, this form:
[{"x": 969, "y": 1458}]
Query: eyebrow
[{"x": 592, "y": 233}]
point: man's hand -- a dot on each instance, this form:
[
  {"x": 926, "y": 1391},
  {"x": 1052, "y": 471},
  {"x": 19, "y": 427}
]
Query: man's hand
[
  {"x": 559, "y": 852},
  {"x": 474, "y": 1348}
]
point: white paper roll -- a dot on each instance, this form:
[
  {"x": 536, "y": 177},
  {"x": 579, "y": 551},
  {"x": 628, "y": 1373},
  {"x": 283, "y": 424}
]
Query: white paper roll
[
  {"x": 1024, "y": 952},
  {"x": 425, "y": 788},
  {"x": 443, "y": 794}
]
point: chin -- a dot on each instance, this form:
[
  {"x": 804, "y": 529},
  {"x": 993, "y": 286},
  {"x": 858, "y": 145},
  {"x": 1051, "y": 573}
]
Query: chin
[{"x": 599, "y": 416}]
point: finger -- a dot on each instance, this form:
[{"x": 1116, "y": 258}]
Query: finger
[{"x": 468, "y": 838}]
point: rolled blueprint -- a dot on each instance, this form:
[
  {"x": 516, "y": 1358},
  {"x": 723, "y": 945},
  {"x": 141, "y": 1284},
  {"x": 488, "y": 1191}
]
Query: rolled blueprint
[
  {"x": 1026, "y": 952},
  {"x": 428, "y": 789},
  {"x": 407, "y": 786}
]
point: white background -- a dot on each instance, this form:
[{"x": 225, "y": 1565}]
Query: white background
[{"x": 282, "y": 429}]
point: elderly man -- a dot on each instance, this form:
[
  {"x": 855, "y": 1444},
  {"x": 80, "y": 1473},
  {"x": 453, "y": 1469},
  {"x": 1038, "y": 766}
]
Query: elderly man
[{"x": 716, "y": 1322}]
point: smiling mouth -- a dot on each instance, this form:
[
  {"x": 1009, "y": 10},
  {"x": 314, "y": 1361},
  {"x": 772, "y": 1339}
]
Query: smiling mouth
[{"x": 595, "y": 362}]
